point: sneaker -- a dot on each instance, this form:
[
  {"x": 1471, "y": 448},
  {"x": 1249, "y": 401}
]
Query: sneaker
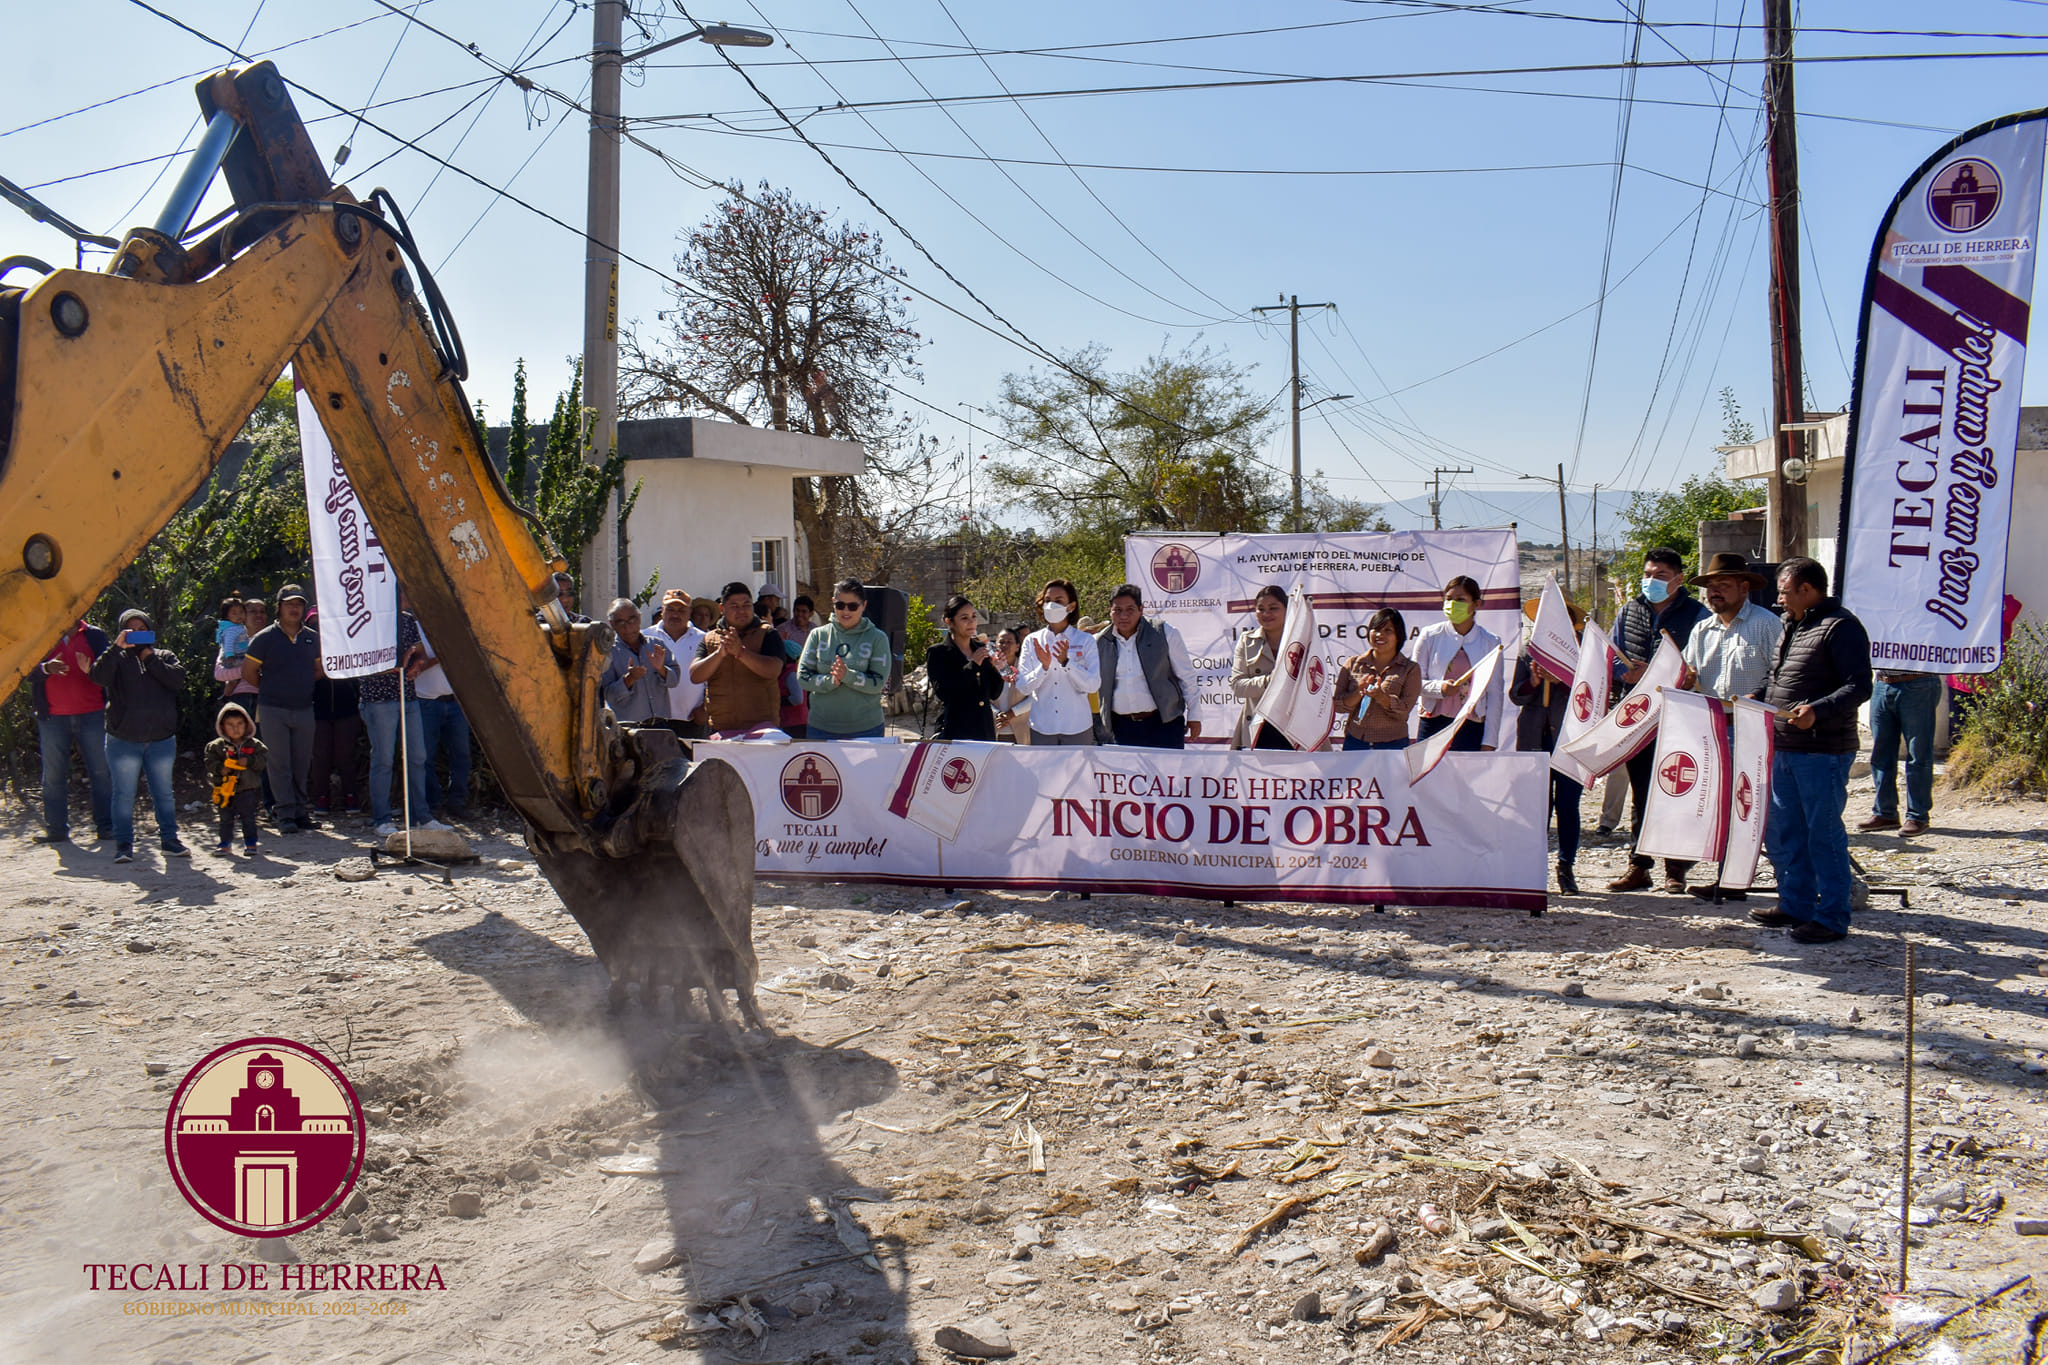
[
  {"x": 223, "y": 848},
  {"x": 351, "y": 806},
  {"x": 250, "y": 848},
  {"x": 1814, "y": 933},
  {"x": 323, "y": 807},
  {"x": 124, "y": 854},
  {"x": 385, "y": 830},
  {"x": 177, "y": 851},
  {"x": 436, "y": 824},
  {"x": 54, "y": 837}
]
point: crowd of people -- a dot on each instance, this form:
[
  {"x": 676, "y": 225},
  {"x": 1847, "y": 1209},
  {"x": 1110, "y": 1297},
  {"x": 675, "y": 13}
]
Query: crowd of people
[{"x": 288, "y": 738}]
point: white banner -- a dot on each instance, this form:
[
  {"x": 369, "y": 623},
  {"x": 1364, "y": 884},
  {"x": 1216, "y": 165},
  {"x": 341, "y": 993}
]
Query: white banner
[
  {"x": 1622, "y": 732},
  {"x": 1424, "y": 755},
  {"x": 936, "y": 787},
  {"x": 1686, "y": 815},
  {"x": 353, "y": 582},
  {"x": 1204, "y": 586},
  {"x": 1297, "y": 702},
  {"x": 1749, "y": 796},
  {"x": 1553, "y": 644},
  {"x": 1248, "y": 825},
  {"x": 1927, "y": 493},
  {"x": 1592, "y": 680}
]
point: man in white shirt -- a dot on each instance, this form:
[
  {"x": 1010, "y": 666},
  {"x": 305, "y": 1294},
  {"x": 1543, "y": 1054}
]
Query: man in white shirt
[
  {"x": 681, "y": 639},
  {"x": 1729, "y": 652},
  {"x": 1061, "y": 667},
  {"x": 1147, "y": 675},
  {"x": 442, "y": 722}
]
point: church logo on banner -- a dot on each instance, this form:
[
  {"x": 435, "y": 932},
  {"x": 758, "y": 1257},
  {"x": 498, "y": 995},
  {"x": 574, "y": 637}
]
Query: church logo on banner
[
  {"x": 1752, "y": 745},
  {"x": 1745, "y": 796},
  {"x": 1941, "y": 354},
  {"x": 1679, "y": 775},
  {"x": 1622, "y": 732},
  {"x": 1632, "y": 711},
  {"x": 1296, "y": 703},
  {"x": 1686, "y": 815},
  {"x": 811, "y": 786},
  {"x": 1582, "y": 702},
  {"x": 935, "y": 789},
  {"x": 1175, "y": 568}
]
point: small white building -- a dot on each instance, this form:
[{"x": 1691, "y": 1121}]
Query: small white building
[
  {"x": 2026, "y": 548},
  {"x": 715, "y": 504}
]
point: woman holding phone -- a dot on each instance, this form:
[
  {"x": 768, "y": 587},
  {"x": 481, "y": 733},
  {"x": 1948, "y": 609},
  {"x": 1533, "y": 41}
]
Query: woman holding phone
[{"x": 964, "y": 676}]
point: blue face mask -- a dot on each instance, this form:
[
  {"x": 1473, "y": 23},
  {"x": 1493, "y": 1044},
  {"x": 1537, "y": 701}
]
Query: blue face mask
[{"x": 1655, "y": 590}]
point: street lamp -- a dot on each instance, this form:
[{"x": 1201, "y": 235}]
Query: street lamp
[
  {"x": 601, "y": 237},
  {"x": 1564, "y": 539}
]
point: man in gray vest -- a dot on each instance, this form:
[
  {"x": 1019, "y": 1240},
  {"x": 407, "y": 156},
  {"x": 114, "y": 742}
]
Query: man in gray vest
[{"x": 1147, "y": 677}]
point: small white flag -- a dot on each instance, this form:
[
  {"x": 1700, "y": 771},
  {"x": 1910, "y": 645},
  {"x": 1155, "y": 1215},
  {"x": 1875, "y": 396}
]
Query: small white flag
[
  {"x": 1622, "y": 732},
  {"x": 1749, "y": 792},
  {"x": 1300, "y": 700},
  {"x": 1686, "y": 816},
  {"x": 938, "y": 785},
  {"x": 1425, "y": 755},
  {"x": 1553, "y": 644},
  {"x": 353, "y": 582},
  {"x": 1587, "y": 704}
]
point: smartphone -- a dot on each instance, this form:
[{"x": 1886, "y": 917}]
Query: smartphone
[{"x": 141, "y": 637}]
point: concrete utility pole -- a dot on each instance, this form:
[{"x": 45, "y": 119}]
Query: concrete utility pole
[
  {"x": 1788, "y": 390},
  {"x": 1292, "y": 305},
  {"x": 601, "y": 263},
  {"x": 601, "y": 241},
  {"x": 1436, "y": 494},
  {"x": 1563, "y": 537}
]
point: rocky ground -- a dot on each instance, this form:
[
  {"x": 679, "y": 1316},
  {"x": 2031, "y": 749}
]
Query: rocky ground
[{"x": 1118, "y": 1130}]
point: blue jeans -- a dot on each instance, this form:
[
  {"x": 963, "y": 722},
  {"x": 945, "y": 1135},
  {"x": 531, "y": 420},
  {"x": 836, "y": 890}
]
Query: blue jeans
[
  {"x": 442, "y": 722},
  {"x": 380, "y": 718},
  {"x": 127, "y": 761},
  {"x": 57, "y": 735},
  {"x": 1803, "y": 834},
  {"x": 872, "y": 733},
  {"x": 1353, "y": 743},
  {"x": 1565, "y": 795},
  {"x": 1904, "y": 711}
]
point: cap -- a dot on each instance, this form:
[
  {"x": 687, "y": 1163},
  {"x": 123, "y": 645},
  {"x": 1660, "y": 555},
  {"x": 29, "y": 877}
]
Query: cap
[
  {"x": 770, "y": 589},
  {"x": 132, "y": 614},
  {"x": 675, "y": 595},
  {"x": 289, "y": 592}
]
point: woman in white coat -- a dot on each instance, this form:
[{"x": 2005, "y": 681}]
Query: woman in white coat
[
  {"x": 1251, "y": 668},
  {"x": 1061, "y": 667},
  {"x": 1447, "y": 653}
]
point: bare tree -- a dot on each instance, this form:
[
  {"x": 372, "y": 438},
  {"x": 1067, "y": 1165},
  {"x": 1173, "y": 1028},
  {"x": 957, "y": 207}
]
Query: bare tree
[{"x": 787, "y": 319}]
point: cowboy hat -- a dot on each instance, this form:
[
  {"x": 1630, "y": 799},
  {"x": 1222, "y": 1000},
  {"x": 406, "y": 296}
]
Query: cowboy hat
[
  {"x": 1729, "y": 566},
  {"x": 1577, "y": 613}
]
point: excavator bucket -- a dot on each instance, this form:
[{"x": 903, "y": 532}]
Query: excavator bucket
[{"x": 679, "y": 916}]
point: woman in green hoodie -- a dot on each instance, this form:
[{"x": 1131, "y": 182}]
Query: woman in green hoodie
[{"x": 845, "y": 665}]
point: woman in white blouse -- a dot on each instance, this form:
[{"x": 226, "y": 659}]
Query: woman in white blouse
[
  {"x": 1448, "y": 652},
  {"x": 1060, "y": 668},
  {"x": 1013, "y": 708}
]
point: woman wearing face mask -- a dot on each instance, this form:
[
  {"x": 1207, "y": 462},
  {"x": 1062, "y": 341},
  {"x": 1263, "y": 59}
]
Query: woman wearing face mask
[
  {"x": 1061, "y": 667},
  {"x": 1448, "y": 653},
  {"x": 1251, "y": 668}
]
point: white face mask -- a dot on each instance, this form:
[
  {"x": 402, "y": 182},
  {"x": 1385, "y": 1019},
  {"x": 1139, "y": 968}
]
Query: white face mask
[{"x": 1055, "y": 613}]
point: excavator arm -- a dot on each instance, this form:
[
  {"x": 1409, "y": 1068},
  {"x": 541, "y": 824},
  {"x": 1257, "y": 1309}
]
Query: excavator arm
[{"x": 121, "y": 392}]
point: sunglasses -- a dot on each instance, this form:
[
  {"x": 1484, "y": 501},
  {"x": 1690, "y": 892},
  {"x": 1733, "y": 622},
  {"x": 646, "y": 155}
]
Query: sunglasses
[{"x": 848, "y": 606}]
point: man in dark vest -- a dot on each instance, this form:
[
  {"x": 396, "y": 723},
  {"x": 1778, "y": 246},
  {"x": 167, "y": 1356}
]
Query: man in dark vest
[
  {"x": 1820, "y": 675},
  {"x": 1147, "y": 677}
]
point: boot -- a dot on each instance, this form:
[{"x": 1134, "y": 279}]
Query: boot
[{"x": 1567, "y": 884}]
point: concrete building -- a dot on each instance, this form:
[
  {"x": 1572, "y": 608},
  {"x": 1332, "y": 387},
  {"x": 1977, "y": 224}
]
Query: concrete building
[
  {"x": 2026, "y": 550},
  {"x": 715, "y": 503}
]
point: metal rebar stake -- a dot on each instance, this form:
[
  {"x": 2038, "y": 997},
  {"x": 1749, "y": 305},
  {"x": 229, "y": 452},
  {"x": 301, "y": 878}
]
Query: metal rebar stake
[{"x": 1906, "y": 1165}]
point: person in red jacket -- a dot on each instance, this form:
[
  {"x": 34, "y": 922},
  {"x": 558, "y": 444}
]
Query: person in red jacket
[{"x": 71, "y": 712}]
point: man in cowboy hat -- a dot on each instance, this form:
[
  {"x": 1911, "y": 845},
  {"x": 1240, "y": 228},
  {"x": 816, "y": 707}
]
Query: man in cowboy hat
[{"x": 1729, "y": 653}]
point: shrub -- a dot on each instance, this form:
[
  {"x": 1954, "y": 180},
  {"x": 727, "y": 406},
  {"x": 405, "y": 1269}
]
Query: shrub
[{"x": 2004, "y": 744}]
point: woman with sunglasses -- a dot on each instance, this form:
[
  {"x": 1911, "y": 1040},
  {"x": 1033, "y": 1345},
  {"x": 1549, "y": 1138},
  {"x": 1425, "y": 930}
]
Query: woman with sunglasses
[{"x": 845, "y": 665}]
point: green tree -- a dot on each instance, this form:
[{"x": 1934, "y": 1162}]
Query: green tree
[
  {"x": 571, "y": 495},
  {"x": 1672, "y": 519},
  {"x": 519, "y": 439},
  {"x": 1735, "y": 429}
]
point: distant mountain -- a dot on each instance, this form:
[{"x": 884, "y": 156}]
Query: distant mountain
[{"x": 1532, "y": 509}]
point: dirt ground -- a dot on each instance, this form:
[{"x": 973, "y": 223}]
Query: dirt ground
[{"x": 1071, "y": 1117}]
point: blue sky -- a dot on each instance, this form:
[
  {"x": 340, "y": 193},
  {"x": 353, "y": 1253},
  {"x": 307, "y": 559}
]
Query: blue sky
[{"x": 1442, "y": 262}]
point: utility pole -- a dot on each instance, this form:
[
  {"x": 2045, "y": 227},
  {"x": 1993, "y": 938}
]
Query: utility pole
[
  {"x": 601, "y": 262},
  {"x": 1594, "y": 602},
  {"x": 1788, "y": 390},
  {"x": 1436, "y": 494},
  {"x": 1292, "y": 305},
  {"x": 1563, "y": 537}
]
